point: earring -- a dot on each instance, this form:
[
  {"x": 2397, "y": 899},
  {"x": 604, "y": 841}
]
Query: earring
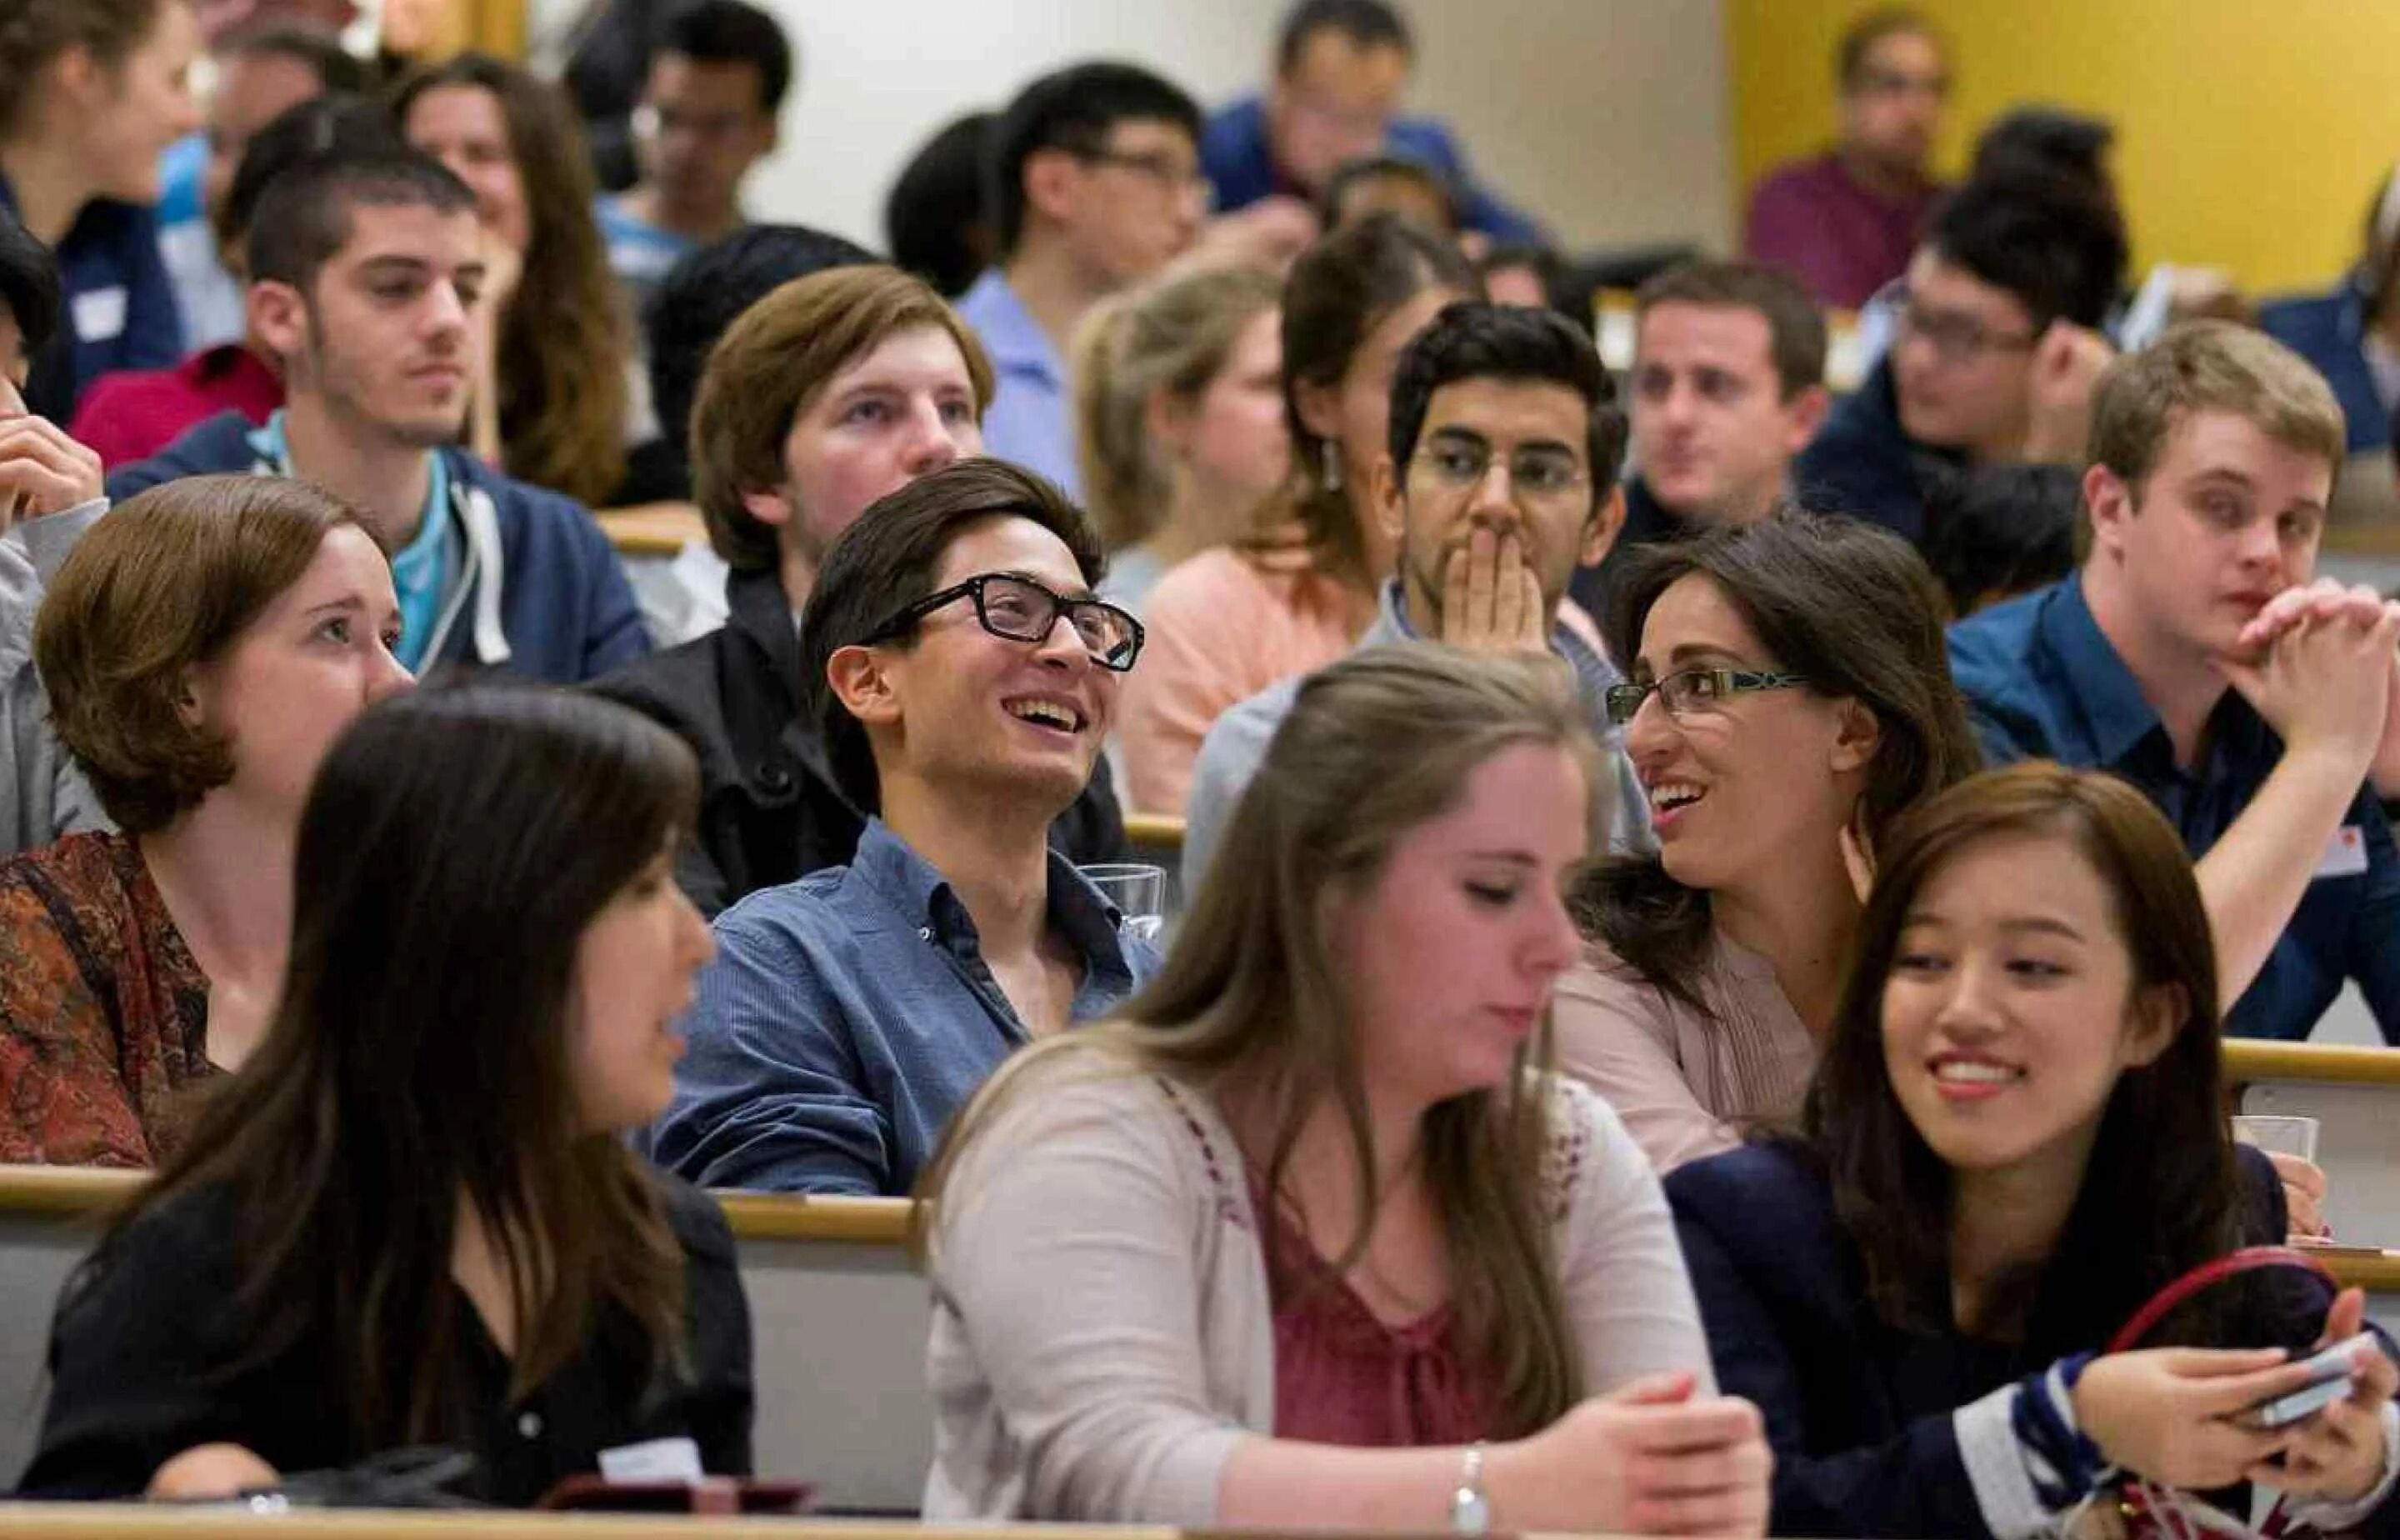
[{"x": 1330, "y": 459}]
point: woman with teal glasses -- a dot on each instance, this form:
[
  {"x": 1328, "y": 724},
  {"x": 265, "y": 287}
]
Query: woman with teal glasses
[{"x": 1788, "y": 695}]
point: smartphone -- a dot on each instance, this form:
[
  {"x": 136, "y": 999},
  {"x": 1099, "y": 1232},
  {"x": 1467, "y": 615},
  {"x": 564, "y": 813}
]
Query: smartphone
[{"x": 2331, "y": 1374}]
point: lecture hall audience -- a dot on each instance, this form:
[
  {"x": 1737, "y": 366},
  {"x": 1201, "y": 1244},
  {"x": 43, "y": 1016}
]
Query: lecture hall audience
[
  {"x": 829, "y": 393},
  {"x": 1788, "y": 700},
  {"x": 1230, "y": 621},
  {"x": 1313, "y": 1232},
  {"x": 2191, "y": 655},
  {"x": 850, "y": 1014},
  {"x": 1179, "y": 418},
  {"x": 2018, "y": 1138},
  {"x": 1482, "y": 562},
  {"x": 2350, "y": 334},
  {"x": 1846, "y": 222},
  {"x": 365, "y": 278},
  {"x": 411, "y": 1219},
  {"x": 202, "y": 647},
  {"x": 92, "y": 92}
]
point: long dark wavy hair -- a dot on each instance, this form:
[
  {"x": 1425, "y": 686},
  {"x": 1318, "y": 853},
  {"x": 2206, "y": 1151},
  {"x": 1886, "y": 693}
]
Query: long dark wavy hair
[
  {"x": 1852, "y": 609},
  {"x": 2161, "y": 1194},
  {"x": 564, "y": 342},
  {"x": 455, "y": 846}
]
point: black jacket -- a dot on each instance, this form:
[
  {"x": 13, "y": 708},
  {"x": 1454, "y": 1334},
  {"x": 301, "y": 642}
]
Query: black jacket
[{"x": 770, "y": 813}]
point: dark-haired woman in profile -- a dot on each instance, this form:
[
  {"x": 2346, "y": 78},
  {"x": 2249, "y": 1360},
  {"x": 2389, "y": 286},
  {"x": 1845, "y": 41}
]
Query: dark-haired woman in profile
[
  {"x": 2018, "y": 1138},
  {"x": 409, "y": 1219}
]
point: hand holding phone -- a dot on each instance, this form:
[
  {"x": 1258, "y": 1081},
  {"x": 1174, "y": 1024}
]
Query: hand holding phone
[{"x": 2331, "y": 1373}]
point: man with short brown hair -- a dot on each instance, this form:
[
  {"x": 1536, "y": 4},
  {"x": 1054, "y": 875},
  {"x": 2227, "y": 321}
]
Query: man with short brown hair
[{"x": 2191, "y": 656}]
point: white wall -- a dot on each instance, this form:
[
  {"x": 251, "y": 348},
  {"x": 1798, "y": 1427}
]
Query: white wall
[{"x": 1608, "y": 117}]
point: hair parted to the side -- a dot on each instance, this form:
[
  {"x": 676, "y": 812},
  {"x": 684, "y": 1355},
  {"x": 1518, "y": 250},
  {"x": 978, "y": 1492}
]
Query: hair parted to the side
[
  {"x": 1171, "y": 338},
  {"x": 1252, "y": 997},
  {"x": 1850, "y": 607},
  {"x": 169, "y": 581},
  {"x": 302, "y": 218},
  {"x": 1795, "y": 327},
  {"x": 1338, "y": 292},
  {"x": 565, "y": 334},
  {"x": 2144, "y": 397},
  {"x": 34, "y": 33},
  {"x": 886, "y": 562},
  {"x": 2161, "y": 1192},
  {"x": 1473, "y": 339},
  {"x": 770, "y": 366},
  {"x": 413, "y": 1064}
]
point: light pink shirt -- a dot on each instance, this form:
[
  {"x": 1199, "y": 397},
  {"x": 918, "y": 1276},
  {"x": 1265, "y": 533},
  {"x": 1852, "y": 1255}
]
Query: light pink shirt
[{"x": 1687, "y": 1083}]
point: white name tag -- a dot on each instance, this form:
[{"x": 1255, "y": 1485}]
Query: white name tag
[
  {"x": 2345, "y": 854},
  {"x": 660, "y": 1459},
  {"x": 99, "y": 313}
]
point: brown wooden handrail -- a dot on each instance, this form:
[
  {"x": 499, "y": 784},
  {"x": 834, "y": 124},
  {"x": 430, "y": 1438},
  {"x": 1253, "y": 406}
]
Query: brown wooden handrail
[
  {"x": 1153, "y": 831},
  {"x": 654, "y": 529},
  {"x": 2248, "y": 1060}
]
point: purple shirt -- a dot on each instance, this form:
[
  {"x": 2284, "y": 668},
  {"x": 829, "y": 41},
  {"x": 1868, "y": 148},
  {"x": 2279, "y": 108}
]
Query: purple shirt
[{"x": 1842, "y": 240}]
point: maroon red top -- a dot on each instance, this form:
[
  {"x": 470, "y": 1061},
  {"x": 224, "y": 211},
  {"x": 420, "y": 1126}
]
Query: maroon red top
[
  {"x": 103, "y": 1013},
  {"x": 1837, "y": 238},
  {"x": 1345, "y": 1377},
  {"x": 132, "y": 414}
]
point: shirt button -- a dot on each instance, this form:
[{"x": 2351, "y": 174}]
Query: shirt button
[
  {"x": 925, "y": 932},
  {"x": 530, "y": 1425}
]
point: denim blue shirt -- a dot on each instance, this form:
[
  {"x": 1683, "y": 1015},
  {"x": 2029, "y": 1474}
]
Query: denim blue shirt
[
  {"x": 848, "y": 1014},
  {"x": 1031, "y": 419},
  {"x": 2042, "y": 682}
]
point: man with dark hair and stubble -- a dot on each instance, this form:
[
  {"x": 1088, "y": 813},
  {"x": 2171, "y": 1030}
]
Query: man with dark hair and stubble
[
  {"x": 1845, "y": 221},
  {"x": 1995, "y": 349},
  {"x": 961, "y": 674}
]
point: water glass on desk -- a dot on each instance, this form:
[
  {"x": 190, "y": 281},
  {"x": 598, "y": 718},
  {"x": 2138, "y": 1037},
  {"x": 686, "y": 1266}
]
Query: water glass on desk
[
  {"x": 2278, "y": 1135},
  {"x": 1138, "y": 890}
]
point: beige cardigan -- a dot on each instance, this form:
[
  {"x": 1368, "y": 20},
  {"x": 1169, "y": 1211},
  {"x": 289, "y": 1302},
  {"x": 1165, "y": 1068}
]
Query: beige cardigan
[{"x": 1102, "y": 1337}]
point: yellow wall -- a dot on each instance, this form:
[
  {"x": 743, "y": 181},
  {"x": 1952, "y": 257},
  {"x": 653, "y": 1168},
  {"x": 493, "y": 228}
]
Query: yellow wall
[{"x": 2250, "y": 133}]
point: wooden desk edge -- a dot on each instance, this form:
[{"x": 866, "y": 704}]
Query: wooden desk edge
[
  {"x": 1154, "y": 829},
  {"x": 753, "y": 1215},
  {"x": 2248, "y": 1060}
]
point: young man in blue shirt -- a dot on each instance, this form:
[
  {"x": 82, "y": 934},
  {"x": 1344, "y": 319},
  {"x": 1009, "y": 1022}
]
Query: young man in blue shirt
[
  {"x": 961, "y": 677},
  {"x": 2191, "y": 655},
  {"x": 364, "y": 275}
]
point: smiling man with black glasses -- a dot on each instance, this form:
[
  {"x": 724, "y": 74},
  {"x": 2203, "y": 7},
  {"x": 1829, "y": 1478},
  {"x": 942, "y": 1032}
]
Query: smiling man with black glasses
[
  {"x": 1500, "y": 480},
  {"x": 961, "y": 677}
]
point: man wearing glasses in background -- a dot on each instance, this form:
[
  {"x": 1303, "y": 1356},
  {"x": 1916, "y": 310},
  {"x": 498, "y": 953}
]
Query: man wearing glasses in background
[
  {"x": 1844, "y": 222},
  {"x": 1501, "y": 480},
  {"x": 961, "y": 677},
  {"x": 707, "y": 114},
  {"x": 1096, "y": 187},
  {"x": 1995, "y": 349}
]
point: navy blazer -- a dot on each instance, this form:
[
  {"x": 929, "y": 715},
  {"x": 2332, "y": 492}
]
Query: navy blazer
[{"x": 1857, "y": 1413}]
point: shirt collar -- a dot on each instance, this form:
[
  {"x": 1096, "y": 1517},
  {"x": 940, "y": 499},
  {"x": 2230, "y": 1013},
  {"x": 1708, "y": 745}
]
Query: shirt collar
[
  {"x": 1015, "y": 341},
  {"x": 2118, "y": 713},
  {"x": 268, "y": 442},
  {"x": 1089, "y": 922}
]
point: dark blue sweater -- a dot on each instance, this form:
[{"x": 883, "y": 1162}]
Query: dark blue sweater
[{"x": 564, "y": 606}]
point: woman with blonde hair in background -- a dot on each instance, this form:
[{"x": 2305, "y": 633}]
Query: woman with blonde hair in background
[
  {"x": 1179, "y": 410},
  {"x": 1313, "y": 1234}
]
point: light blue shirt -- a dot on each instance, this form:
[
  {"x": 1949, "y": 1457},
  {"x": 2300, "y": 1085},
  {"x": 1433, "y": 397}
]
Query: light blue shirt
[
  {"x": 420, "y": 572},
  {"x": 1031, "y": 419},
  {"x": 639, "y": 253}
]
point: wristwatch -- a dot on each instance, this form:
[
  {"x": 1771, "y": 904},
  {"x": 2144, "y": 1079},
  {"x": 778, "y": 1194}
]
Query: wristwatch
[{"x": 1470, "y": 1511}]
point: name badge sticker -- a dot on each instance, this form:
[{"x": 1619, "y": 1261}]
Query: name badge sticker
[
  {"x": 99, "y": 314},
  {"x": 659, "y": 1460},
  {"x": 2345, "y": 854}
]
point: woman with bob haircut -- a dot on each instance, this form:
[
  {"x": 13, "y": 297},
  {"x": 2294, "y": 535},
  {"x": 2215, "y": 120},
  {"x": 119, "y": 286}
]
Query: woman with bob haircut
[
  {"x": 2017, "y": 1138},
  {"x": 1313, "y": 1233},
  {"x": 411, "y": 1218},
  {"x": 202, "y": 648},
  {"x": 561, "y": 353},
  {"x": 1788, "y": 695}
]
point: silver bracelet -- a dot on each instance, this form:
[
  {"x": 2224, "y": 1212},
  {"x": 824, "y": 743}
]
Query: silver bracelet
[{"x": 1470, "y": 1511}]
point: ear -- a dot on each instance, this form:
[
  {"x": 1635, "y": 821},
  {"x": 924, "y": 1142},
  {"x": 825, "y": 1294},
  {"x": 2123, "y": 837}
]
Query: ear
[
  {"x": 1168, "y": 419},
  {"x": 76, "y": 75},
  {"x": 1320, "y": 408},
  {"x": 279, "y": 316},
  {"x": 1856, "y": 738},
  {"x": 2109, "y": 503},
  {"x": 769, "y": 507},
  {"x": 2158, "y": 1014},
  {"x": 1391, "y": 502},
  {"x": 863, "y": 684},
  {"x": 1803, "y": 415},
  {"x": 1601, "y": 531},
  {"x": 1051, "y": 181},
  {"x": 188, "y": 685}
]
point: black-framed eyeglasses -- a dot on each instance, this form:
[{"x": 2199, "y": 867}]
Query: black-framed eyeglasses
[
  {"x": 1954, "y": 337},
  {"x": 1018, "y": 609},
  {"x": 1175, "y": 175},
  {"x": 1537, "y": 471},
  {"x": 1694, "y": 689}
]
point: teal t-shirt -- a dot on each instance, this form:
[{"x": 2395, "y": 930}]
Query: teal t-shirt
[{"x": 420, "y": 572}]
